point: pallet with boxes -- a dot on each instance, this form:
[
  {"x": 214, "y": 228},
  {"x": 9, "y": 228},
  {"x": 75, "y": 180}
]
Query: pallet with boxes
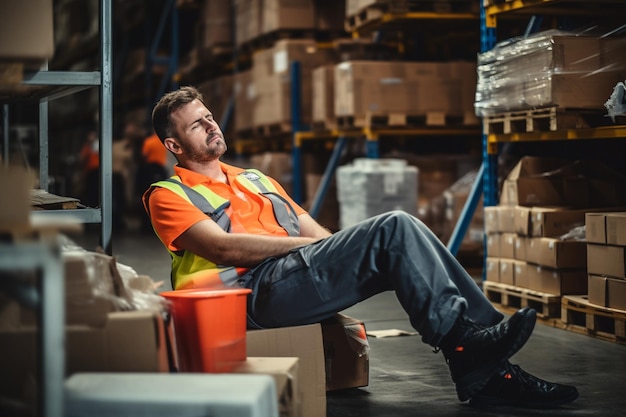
[{"x": 537, "y": 253}]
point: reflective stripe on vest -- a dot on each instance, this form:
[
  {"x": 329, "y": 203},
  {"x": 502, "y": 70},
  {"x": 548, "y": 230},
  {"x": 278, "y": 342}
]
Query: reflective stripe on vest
[{"x": 192, "y": 271}]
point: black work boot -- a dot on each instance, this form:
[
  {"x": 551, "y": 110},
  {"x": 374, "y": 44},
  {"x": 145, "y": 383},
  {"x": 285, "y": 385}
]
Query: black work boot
[
  {"x": 514, "y": 387},
  {"x": 479, "y": 352}
]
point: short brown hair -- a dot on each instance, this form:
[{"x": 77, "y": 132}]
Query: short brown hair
[{"x": 168, "y": 104}]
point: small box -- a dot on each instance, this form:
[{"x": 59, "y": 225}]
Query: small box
[
  {"x": 507, "y": 245},
  {"x": 346, "y": 353}
]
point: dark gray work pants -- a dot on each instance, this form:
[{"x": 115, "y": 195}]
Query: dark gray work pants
[{"x": 390, "y": 252}]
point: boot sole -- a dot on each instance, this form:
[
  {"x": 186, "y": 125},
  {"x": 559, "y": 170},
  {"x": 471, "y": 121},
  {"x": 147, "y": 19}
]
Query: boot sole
[
  {"x": 472, "y": 383},
  {"x": 482, "y": 401}
]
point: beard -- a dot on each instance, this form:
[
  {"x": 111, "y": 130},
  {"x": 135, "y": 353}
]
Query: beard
[{"x": 215, "y": 147}]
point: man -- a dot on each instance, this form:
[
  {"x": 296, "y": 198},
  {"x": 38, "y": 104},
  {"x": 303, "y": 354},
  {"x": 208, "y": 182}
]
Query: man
[{"x": 229, "y": 226}]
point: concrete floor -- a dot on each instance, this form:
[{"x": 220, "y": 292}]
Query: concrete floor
[{"x": 408, "y": 379}]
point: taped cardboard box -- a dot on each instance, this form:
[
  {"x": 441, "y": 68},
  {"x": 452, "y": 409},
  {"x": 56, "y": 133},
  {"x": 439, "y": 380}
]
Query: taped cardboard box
[{"x": 346, "y": 353}]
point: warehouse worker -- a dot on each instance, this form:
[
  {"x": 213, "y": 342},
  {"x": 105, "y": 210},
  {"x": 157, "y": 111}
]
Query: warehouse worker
[{"x": 229, "y": 226}]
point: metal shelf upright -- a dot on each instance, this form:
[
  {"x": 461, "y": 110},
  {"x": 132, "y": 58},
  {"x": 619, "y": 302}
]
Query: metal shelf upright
[{"x": 50, "y": 85}]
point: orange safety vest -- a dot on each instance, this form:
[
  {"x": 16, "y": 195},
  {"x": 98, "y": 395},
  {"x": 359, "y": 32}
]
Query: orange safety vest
[{"x": 192, "y": 271}]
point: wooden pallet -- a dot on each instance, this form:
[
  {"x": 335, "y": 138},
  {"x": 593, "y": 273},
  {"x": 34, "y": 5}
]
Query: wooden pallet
[
  {"x": 391, "y": 120},
  {"x": 579, "y": 315},
  {"x": 549, "y": 119},
  {"x": 375, "y": 11},
  {"x": 546, "y": 305}
]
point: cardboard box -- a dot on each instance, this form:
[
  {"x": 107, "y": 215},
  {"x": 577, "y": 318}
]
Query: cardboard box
[
  {"x": 493, "y": 245},
  {"x": 346, "y": 353},
  {"x": 27, "y": 31},
  {"x": 606, "y": 260},
  {"x": 595, "y": 227},
  {"x": 305, "y": 343},
  {"x": 507, "y": 245},
  {"x": 520, "y": 274},
  {"x": 492, "y": 269},
  {"x": 406, "y": 88},
  {"x": 616, "y": 293},
  {"x": 616, "y": 229},
  {"x": 245, "y": 95},
  {"x": 536, "y": 181},
  {"x": 557, "y": 281},
  {"x": 491, "y": 219},
  {"x": 323, "y": 79},
  {"x": 272, "y": 80},
  {"x": 287, "y": 14},
  {"x": 14, "y": 212},
  {"x": 521, "y": 223},
  {"x": 131, "y": 341},
  {"x": 555, "y": 222},
  {"x": 507, "y": 271},
  {"x": 520, "y": 248},
  {"x": 286, "y": 374},
  {"x": 597, "y": 290},
  {"x": 506, "y": 219},
  {"x": 555, "y": 253}
]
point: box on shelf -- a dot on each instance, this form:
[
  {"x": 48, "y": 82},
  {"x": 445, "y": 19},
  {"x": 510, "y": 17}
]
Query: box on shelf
[
  {"x": 542, "y": 181},
  {"x": 287, "y": 14},
  {"x": 272, "y": 80},
  {"x": 27, "y": 31},
  {"x": 404, "y": 88}
]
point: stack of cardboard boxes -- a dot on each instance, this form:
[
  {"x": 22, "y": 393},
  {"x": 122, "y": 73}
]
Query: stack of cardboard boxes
[
  {"x": 535, "y": 238},
  {"x": 606, "y": 259}
]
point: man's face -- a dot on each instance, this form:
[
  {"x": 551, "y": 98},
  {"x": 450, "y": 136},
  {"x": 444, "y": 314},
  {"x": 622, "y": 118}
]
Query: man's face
[{"x": 199, "y": 135}]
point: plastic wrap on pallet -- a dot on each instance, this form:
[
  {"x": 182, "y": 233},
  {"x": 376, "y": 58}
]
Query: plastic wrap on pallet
[{"x": 549, "y": 68}]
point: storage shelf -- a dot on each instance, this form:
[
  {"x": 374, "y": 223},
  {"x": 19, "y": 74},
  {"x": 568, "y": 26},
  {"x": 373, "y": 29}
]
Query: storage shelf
[
  {"x": 395, "y": 20},
  {"x": 605, "y": 132},
  {"x": 50, "y": 85},
  {"x": 524, "y": 8}
]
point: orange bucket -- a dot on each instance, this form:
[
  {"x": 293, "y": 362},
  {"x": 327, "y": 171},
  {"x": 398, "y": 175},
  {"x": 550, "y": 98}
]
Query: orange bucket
[{"x": 210, "y": 328}]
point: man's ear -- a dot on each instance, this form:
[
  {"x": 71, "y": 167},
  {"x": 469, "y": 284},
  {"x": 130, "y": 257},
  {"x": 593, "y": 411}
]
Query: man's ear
[{"x": 172, "y": 145}]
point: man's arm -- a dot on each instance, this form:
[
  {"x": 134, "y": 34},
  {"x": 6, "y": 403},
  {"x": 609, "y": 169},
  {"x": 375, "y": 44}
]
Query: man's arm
[
  {"x": 310, "y": 228},
  {"x": 208, "y": 240}
]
